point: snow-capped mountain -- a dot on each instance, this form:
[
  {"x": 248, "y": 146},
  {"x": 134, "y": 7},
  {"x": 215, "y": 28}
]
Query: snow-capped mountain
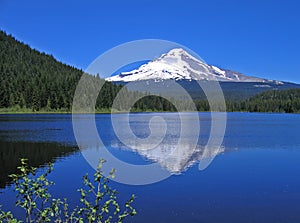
[{"x": 178, "y": 64}]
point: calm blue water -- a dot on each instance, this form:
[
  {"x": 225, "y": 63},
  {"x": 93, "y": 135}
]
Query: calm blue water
[{"x": 255, "y": 178}]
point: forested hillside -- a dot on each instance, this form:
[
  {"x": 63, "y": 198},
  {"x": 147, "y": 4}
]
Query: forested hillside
[{"x": 33, "y": 80}]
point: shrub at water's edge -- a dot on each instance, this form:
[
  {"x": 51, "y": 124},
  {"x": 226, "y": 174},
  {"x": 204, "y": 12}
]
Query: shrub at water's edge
[{"x": 98, "y": 202}]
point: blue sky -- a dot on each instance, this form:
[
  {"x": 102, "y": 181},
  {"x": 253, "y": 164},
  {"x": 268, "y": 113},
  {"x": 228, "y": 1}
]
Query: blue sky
[{"x": 258, "y": 37}]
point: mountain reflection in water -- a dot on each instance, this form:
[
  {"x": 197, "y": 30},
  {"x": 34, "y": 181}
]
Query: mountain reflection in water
[{"x": 173, "y": 158}]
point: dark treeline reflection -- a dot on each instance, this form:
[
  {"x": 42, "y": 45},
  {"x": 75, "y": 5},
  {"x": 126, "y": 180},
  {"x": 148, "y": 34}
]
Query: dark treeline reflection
[{"x": 37, "y": 154}]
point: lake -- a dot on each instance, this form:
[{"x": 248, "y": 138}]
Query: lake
[{"x": 253, "y": 178}]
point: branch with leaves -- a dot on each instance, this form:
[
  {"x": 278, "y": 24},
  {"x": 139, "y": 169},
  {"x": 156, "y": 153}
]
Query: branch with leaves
[{"x": 98, "y": 202}]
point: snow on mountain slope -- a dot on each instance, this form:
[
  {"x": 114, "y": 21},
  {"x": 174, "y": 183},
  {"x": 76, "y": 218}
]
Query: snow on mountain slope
[{"x": 178, "y": 64}]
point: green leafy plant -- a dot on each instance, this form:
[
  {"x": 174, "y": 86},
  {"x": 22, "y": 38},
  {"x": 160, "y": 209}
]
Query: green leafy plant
[{"x": 98, "y": 202}]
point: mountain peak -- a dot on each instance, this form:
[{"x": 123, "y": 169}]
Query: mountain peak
[
  {"x": 178, "y": 64},
  {"x": 176, "y": 55},
  {"x": 175, "y": 52}
]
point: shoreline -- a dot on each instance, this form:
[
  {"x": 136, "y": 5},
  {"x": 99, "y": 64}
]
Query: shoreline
[{"x": 123, "y": 112}]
